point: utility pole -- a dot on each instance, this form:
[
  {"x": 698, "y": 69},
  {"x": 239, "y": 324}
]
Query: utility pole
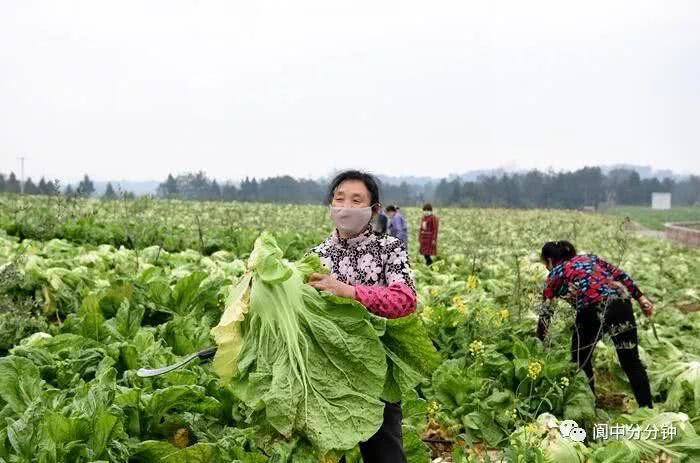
[{"x": 21, "y": 184}]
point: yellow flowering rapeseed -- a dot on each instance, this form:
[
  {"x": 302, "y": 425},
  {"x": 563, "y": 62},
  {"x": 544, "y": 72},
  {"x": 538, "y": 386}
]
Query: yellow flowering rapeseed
[
  {"x": 476, "y": 347},
  {"x": 433, "y": 407},
  {"x": 427, "y": 312},
  {"x": 534, "y": 369},
  {"x": 532, "y": 428},
  {"x": 459, "y": 304}
]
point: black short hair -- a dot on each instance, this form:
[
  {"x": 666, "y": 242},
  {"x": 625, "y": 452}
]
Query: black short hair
[
  {"x": 364, "y": 177},
  {"x": 558, "y": 251},
  {"x": 427, "y": 207},
  {"x": 391, "y": 208}
]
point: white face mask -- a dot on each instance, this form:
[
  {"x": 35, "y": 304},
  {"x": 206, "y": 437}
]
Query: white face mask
[
  {"x": 427, "y": 212},
  {"x": 351, "y": 220}
]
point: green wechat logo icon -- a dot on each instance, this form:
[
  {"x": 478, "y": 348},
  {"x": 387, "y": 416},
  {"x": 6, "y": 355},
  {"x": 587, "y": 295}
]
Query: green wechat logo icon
[{"x": 569, "y": 429}]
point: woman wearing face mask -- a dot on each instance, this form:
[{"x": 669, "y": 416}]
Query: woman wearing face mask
[
  {"x": 372, "y": 269},
  {"x": 427, "y": 236}
]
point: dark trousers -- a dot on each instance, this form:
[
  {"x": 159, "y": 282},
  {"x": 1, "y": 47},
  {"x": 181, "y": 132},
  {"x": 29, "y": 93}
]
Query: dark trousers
[
  {"x": 386, "y": 445},
  {"x": 615, "y": 318},
  {"x": 428, "y": 259}
]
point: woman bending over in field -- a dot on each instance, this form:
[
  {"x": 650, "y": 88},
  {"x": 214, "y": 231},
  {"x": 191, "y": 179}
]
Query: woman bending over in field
[
  {"x": 372, "y": 269},
  {"x": 601, "y": 294}
]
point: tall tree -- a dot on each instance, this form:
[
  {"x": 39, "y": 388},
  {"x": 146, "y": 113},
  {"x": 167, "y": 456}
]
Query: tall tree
[
  {"x": 168, "y": 189},
  {"x": 53, "y": 188},
  {"x": 42, "y": 186},
  {"x": 109, "y": 193},
  {"x": 30, "y": 188},
  {"x": 229, "y": 192},
  {"x": 12, "y": 185},
  {"x": 85, "y": 187},
  {"x": 215, "y": 191},
  {"x": 249, "y": 190}
]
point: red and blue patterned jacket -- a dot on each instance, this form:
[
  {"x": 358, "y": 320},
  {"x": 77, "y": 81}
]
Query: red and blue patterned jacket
[{"x": 586, "y": 280}]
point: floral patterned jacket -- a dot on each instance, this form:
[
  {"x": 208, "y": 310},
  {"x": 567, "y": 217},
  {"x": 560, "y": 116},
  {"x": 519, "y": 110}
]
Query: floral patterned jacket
[{"x": 377, "y": 266}]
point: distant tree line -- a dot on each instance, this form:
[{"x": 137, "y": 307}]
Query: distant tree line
[
  {"x": 10, "y": 184},
  {"x": 282, "y": 189},
  {"x": 198, "y": 186},
  {"x": 573, "y": 190},
  {"x": 85, "y": 188},
  {"x": 585, "y": 187}
]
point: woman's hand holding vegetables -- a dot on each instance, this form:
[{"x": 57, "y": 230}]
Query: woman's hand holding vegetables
[{"x": 331, "y": 284}]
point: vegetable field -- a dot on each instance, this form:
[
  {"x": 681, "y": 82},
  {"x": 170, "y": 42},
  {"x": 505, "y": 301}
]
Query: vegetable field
[{"x": 92, "y": 291}]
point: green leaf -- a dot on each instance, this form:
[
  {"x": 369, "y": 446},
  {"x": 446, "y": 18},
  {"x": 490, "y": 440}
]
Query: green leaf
[
  {"x": 414, "y": 411},
  {"x": 566, "y": 451},
  {"x": 128, "y": 320},
  {"x": 266, "y": 260},
  {"x": 183, "y": 398},
  {"x": 68, "y": 342},
  {"x": 579, "y": 401},
  {"x": 186, "y": 292},
  {"x": 186, "y": 333},
  {"x": 62, "y": 429},
  {"x": 451, "y": 385},
  {"x": 114, "y": 298},
  {"x": 163, "y": 452},
  {"x": 126, "y": 323},
  {"x": 102, "y": 427},
  {"x": 20, "y": 384},
  {"x": 520, "y": 350},
  {"x": 311, "y": 263},
  {"x": 521, "y": 368},
  {"x": 91, "y": 318},
  {"x": 479, "y": 425},
  {"x": 21, "y": 435},
  {"x": 411, "y": 356},
  {"x": 416, "y": 450}
]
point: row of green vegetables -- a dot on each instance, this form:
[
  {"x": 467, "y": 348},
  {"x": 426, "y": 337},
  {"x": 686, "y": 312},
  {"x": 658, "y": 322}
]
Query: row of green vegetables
[
  {"x": 172, "y": 225},
  {"x": 109, "y": 311},
  {"x": 208, "y": 227}
]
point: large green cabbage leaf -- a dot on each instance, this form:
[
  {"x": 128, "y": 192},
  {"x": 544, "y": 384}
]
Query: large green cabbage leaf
[{"x": 313, "y": 364}]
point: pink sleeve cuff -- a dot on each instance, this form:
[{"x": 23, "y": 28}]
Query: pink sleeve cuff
[{"x": 393, "y": 301}]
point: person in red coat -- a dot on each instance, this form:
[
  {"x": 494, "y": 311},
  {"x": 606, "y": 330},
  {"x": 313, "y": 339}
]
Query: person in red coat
[{"x": 427, "y": 236}]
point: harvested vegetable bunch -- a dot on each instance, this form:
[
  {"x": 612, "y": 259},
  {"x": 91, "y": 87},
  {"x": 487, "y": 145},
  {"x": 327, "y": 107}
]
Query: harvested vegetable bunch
[{"x": 313, "y": 363}]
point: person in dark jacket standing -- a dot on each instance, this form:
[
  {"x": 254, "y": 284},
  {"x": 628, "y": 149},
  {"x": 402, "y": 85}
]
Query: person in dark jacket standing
[
  {"x": 380, "y": 223},
  {"x": 427, "y": 236},
  {"x": 601, "y": 294}
]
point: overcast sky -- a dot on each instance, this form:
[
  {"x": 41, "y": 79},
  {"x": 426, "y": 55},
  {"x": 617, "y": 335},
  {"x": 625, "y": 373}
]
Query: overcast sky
[{"x": 137, "y": 89}]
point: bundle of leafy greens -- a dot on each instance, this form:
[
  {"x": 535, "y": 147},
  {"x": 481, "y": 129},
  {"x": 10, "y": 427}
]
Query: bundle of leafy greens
[{"x": 310, "y": 364}]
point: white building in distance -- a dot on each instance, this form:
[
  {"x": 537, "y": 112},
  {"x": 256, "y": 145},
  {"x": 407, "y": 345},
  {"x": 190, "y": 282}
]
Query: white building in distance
[{"x": 661, "y": 201}]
